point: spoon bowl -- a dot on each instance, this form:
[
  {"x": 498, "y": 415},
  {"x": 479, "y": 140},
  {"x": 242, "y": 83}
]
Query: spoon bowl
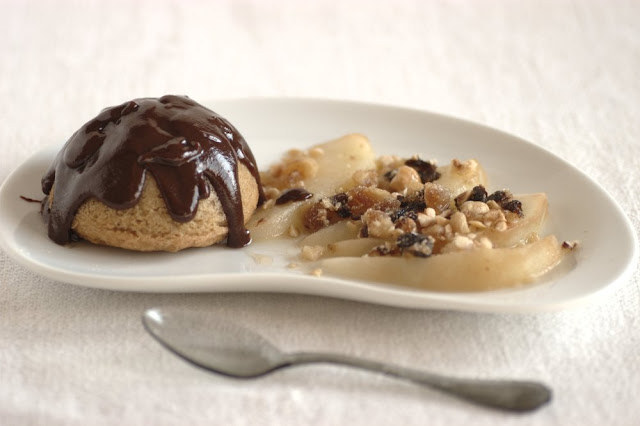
[
  {"x": 219, "y": 346},
  {"x": 232, "y": 350}
]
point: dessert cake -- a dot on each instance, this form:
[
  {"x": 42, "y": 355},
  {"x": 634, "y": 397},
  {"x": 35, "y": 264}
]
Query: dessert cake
[{"x": 153, "y": 174}]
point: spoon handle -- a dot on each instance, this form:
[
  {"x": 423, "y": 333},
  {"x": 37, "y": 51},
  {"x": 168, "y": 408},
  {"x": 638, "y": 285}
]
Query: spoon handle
[{"x": 510, "y": 395}]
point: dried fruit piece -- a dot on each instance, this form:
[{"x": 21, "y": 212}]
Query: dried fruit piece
[
  {"x": 426, "y": 169},
  {"x": 437, "y": 197}
]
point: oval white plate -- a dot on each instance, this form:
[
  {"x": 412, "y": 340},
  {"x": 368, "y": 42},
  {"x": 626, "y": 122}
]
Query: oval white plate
[{"x": 271, "y": 126}]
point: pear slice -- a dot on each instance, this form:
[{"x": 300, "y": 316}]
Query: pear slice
[
  {"x": 478, "y": 269},
  {"x": 340, "y": 231},
  {"x": 339, "y": 160},
  {"x": 525, "y": 229},
  {"x": 276, "y": 221},
  {"x": 461, "y": 176},
  {"x": 352, "y": 248}
]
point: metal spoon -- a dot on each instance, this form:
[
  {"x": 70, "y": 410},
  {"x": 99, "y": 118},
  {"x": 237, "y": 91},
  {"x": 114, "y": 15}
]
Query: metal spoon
[{"x": 236, "y": 351}]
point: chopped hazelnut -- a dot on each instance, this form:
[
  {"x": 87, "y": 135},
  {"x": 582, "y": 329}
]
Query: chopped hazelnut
[
  {"x": 474, "y": 209},
  {"x": 434, "y": 230},
  {"x": 493, "y": 216},
  {"x": 477, "y": 193},
  {"x": 462, "y": 242},
  {"x": 424, "y": 220},
  {"x": 448, "y": 231},
  {"x": 493, "y": 205},
  {"x": 378, "y": 224},
  {"x": 384, "y": 163},
  {"x": 477, "y": 224},
  {"x": 458, "y": 243},
  {"x": 500, "y": 226},
  {"x": 406, "y": 178},
  {"x": 406, "y": 225},
  {"x": 326, "y": 203},
  {"x": 484, "y": 242},
  {"x": 296, "y": 167},
  {"x": 441, "y": 220},
  {"x": 459, "y": 223}
]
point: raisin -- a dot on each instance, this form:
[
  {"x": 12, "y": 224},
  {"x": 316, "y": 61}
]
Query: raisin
[
  {"x": 409, "y": 239},
  {"x": 415, "y": 244},
  {"x": 292, "y": 195},
  {"x": 339, "y": 198},
  {"x": 411, "y": 214},
  {"x": 415, "y": 205},
  {"x": 426, "y": 170},
  {"x": 409, "y": 207},
  {"x": 500, "y": 197},
  {"x": 408, "y": 244},
  {"x": 514, "y": 206},
  {"x": 478, "y": 193},
  {"x": 344, "y": 212},
  {"x": 402, "y": 212}
]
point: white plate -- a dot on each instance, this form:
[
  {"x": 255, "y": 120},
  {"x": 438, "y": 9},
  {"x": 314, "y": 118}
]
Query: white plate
[{"x": 577, "y": 205}]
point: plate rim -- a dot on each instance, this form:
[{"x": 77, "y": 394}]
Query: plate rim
[{"x": 431, "y": 303}]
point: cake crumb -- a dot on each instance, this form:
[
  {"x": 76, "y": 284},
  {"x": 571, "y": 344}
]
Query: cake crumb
[
  {"x": 311, "y": 253},
  {"x": 262, "y": 259}
]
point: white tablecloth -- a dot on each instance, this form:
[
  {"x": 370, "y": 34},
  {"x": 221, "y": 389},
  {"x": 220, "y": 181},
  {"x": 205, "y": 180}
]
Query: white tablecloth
[{"x": 562, "y": 74}]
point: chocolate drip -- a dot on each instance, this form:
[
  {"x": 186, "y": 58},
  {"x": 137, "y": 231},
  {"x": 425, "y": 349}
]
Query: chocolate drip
[{"x": 184, "y": 146}]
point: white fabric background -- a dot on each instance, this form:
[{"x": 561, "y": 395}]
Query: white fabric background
[{"x": 562, "y": 74}]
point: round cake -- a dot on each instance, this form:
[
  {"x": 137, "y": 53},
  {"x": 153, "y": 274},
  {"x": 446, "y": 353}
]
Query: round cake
[{"x": 153, "y": 174}]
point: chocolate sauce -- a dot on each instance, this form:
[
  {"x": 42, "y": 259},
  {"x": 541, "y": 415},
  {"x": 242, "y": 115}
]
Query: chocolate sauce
[
  {"x": 30, "y": 200},
  {"x": 183, "y": 145},
  {"x": 294, "y": 194}
]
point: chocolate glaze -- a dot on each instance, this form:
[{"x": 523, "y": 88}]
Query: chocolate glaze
[{"x": 181, "y": 143}]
